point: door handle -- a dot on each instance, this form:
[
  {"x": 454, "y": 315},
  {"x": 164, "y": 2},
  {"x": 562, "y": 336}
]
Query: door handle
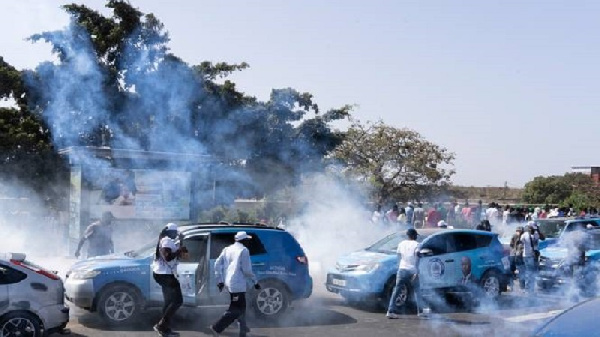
[
  {"x": 451, "y": 260},
  {"x": 258, "y": 264}
]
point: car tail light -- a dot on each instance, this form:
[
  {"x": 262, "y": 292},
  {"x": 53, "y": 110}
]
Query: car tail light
[
  {"x": 36, "y": 269},
  {"x": 302, "y": 259}
]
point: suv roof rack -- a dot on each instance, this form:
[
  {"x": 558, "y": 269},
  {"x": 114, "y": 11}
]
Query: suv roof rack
[{"x": 222, "y": 224}]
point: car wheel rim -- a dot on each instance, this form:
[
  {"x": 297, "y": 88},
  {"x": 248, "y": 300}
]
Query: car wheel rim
[
  {"x": 269, "y": 301},
  {"x": 17, "y": 327},
  {"x": 119, "y": 306},
  {"x": 491, "y": 286},
  {"x": 402, "y": 296}
]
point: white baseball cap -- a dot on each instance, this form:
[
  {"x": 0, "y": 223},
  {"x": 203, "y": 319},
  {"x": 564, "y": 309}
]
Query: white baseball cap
[
  {"x": 239, "y": 236},
  {"x": 171, "y": 227}
]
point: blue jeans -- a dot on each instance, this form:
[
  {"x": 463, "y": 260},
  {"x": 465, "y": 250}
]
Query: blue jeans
[
  {"x": 527, "y": 273},
  {"x": 403, "y": 276}
]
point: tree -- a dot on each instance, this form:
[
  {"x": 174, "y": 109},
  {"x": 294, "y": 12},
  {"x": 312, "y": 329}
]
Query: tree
[
  {"x": 117, "y": 84},
  {"x": 571, "y": 188},
  {"x": 399, "y": 163}
]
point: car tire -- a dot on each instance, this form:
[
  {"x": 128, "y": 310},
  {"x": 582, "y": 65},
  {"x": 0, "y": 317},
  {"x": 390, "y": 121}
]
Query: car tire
[
  {"x": 119, "y": 305},
  {"x": 402, "y": 298},
  {"x": 20, "y": 323},
  {"x": 271, "y": 300},
  {"x": 490, "y": 285}
]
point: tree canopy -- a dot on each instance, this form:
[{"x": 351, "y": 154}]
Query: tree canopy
[
  {"x": 116, "y": 83},
  {"x": 575, "y": 189},
  {"x": 399, "y": 163}
]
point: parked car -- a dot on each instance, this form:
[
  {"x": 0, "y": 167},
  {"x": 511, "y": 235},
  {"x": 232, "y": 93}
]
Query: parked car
[
  {"x": 464, "y": 265},
  {"x": 369, "y": 275},
  {"x": 31, "y": 298},
  {"x": 120, "y": 287},
  {"x": 550, "y": 227},
  {"x": 580, "y": 319},
  {"x": 556, "y": 263}
]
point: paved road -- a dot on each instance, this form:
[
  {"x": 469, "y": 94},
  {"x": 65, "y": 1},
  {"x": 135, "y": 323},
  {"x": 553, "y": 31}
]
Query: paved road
[{"x": 325, "y": 314}]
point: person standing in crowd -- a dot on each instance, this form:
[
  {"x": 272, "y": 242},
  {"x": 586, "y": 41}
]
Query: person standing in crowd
[
  {"x": 506, "y": 215},
  {"x": 433, "y": 216},
  {"x": 529, "y": 240},
  {"x": 410, "y": 209},
  {"x": 377, "y": 215},
  {"x": 418, "y": 218},
  {"x": 99, "y": 237},
  {"x": 392, "y": 215},
  {"x": 164, "y": 271},
  {"x": 491, "y": 213},
  {"x": 516, "y": 255},
  {"x": 402, "y": 220},
  {"x": 232, "y": 269},
  {"x": 407, "y": 271}
]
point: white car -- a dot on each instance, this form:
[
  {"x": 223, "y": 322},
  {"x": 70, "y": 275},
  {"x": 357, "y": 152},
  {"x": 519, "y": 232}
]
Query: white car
[{"x": 31, "y": 298}]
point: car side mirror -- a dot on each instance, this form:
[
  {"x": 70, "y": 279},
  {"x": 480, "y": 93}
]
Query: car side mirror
[{"x": 425, "y": 252}]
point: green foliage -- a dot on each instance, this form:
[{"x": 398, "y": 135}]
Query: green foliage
[
  {"x": 571, "y": 188},
  {"x": 399, "y": 163}
]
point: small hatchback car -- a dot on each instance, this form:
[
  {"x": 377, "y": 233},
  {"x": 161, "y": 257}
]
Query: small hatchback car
[
  {"x": 464, "y": 264},
  {"x": 369, "y": 275},
  {"x": 31, "y": 298},
  {"x": 120, "y": 287}
]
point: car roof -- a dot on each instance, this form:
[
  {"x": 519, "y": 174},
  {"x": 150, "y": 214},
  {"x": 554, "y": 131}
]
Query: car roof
[
  {"x": 578, "y": 320},
  {"x": 218, "y": 226},
  {"x": 465, "y": 231}
]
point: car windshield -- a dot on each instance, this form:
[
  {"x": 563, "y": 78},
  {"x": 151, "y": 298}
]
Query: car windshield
[
  {"x": 389, "y": 244},
  {"x": 551, "y": 229},
  {"x": 145, "y": 251}
]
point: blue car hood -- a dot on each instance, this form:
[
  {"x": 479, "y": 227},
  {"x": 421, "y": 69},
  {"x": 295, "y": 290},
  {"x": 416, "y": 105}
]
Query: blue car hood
[
  {"x": 363, "y": 257},
  {"x": 559, "y": 253},
  {"x": 107, "y": 261}
]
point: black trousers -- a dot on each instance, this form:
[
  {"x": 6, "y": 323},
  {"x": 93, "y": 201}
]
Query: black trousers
[
  {"x": 236, "y": 310},
  {"x": 172, "y": 295}
]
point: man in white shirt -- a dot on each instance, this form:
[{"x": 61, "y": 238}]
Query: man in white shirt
[
  {"x": 232, "y": 269},
  {"x": 407, "y": 270},
  {"x": 529, "y": 239},
  {"x": 164, "y": 271}
]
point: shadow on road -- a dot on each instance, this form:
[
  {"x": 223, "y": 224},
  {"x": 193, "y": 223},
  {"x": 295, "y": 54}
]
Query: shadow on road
[{"x": 198, "y": 319}]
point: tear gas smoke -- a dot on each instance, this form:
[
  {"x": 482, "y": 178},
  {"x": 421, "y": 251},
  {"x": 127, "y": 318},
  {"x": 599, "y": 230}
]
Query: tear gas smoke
[{"x": 334, "y": 222}]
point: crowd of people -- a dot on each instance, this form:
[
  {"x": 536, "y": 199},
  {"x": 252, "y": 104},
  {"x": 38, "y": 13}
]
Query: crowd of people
[{"x": 418, "y": 215}]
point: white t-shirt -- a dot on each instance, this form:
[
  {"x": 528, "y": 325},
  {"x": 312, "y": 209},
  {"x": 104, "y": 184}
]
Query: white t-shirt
[
  {"x": 408, "y": 254},
  {"x": 160, "y": 266}
]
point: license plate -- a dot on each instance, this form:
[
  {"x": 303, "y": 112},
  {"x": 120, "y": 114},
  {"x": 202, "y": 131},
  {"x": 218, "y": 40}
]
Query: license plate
[
  {"x": 506, "y": 262},
  {"x": 339, "y": 283}
]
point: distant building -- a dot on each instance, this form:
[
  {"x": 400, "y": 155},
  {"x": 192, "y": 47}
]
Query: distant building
[{"x": 592, "y": 171}]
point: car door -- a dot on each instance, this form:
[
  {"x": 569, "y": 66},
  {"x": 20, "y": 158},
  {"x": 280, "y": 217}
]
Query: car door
[
  {"x": 471, "y": 259},
  {"x": 9, "y": 277},
  {"x": 217, "y": 241},
  {"x": 437, "y": 268},
  {"x": 192, "y": 269}
]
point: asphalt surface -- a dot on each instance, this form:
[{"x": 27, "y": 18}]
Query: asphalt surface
[{"x": 326, "y": 314}]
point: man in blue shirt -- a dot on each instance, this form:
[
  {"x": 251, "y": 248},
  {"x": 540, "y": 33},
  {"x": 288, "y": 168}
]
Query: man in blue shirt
[{"x": 232, "y": 268}]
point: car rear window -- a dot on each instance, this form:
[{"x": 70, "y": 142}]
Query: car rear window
[
  {"x": 10, "y": 275},
  {"x": 222, "y": 240}
]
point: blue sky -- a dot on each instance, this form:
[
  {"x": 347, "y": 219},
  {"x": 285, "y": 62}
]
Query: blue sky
[{"x": 509, "y": 86}]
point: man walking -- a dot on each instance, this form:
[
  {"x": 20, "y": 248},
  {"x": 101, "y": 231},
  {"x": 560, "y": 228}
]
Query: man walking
[
  {"x": 232, "y": 268},
  {"x": 407, "y": 271},
  {"x": 99, "y": 237}
]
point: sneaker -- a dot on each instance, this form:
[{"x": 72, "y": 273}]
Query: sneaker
[
  {"x": 172, "y": 333},
  {"x": 212, "y": 330},
  {"x": 423, "y": 315},
  {"x": 161, "y": 332},
  {"x": 392, "y": 315}
]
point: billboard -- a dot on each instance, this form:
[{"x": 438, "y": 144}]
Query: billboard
[{"x": 141, "y": 194}]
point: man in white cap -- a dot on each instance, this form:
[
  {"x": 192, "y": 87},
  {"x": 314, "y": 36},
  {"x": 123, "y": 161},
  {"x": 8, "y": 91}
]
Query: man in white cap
[
  {"x": 164, "y": 271},
  {"x": 232, "y": 269}
]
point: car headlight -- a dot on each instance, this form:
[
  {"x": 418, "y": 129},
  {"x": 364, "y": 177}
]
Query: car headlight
[
  {"x": 84, "y": 274},
  {"x": 367, "y": 268}
]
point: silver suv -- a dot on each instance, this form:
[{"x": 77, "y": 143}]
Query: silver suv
[{"x": 31, "y": 298}]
